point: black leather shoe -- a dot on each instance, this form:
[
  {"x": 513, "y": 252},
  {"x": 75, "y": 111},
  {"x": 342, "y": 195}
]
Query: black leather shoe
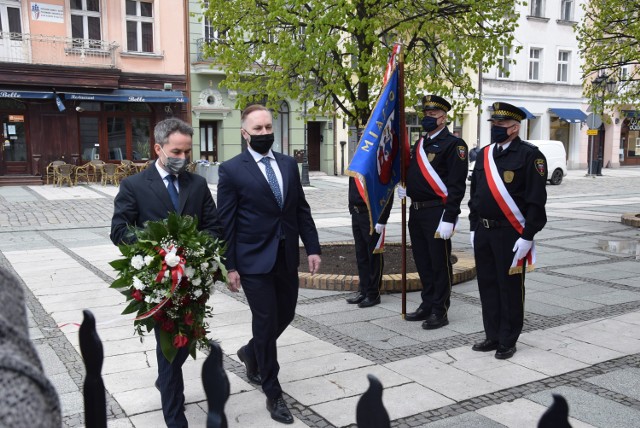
[
  {"x": 356, "y": 299},
  {"x": 419, "y": 315},
  {"x": 252, "y": 367},
  {"x": 434, "y": 321},
  {"x": 485, "y": 346},
  {"x": 505, "y": 352},
  {"x": 367, "y": 302},
  {"x": 279, "y": 410}
]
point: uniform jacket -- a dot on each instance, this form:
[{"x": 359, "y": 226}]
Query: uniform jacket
[
  {"x": 356, "y": 200},
  {"x": 523, "y": 169},
  {"x": 253, "y": 222},
  {"x": 144, "y": 196},
  {"x": 448, "y": 156}
]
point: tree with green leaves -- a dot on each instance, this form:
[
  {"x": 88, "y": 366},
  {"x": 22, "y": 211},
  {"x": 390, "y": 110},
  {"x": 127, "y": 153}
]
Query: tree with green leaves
[
  {"x": 609, "y": 38},
  {"x": 333, "y": 53}
]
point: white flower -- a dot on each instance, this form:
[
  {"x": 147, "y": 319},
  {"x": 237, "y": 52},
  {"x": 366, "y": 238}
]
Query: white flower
[
  {"x": 148, "y": 260},
  {"x": 189, "y": 271},
  {"x": 172, "y": 259},
  {"x": 197, "y": 293},
  {"x": 196, "y": 282},
  {"x": 137, "y": 284},
  {"x": 150, "y": 299},
  {"x": 167, "y": 273},
  {"x": 214, "y": 266},
  {"x": 204, "y": 266},
  {"x": 137, "y": 261}
]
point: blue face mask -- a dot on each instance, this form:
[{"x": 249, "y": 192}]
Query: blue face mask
[
  {"x": 499, "y": 134},
  {"x": 429, "y": 123}
]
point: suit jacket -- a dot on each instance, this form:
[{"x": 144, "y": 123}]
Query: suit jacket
[
  {"x": 253, "y": 222},
  {"x": 144, "y": 196}
]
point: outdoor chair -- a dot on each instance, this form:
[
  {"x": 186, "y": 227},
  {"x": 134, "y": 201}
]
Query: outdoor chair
[
  {"x": 110, "y": 174},
  {"x": 84, "y": 172},
  {"x": 50, "y": 172},
  {"x": 64, "y": 173},
  {"x": 96, "y": 165}
]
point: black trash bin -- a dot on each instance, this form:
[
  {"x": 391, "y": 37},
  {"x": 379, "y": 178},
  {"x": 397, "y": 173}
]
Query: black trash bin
[
  {"x": 599, "y": 167},
  {"x": 593, "y": 167}
]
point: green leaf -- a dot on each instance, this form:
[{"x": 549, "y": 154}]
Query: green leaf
[
  {"x": 166, "y": 344},
  {"x": 132, "y": 307},
  {"x": 121, "y": 282}
]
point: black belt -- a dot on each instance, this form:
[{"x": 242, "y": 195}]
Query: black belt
[
  {"x": 426, "y": 204},
  {"x": 360, "y": 209},
  {"x": 491, "y": 224}
]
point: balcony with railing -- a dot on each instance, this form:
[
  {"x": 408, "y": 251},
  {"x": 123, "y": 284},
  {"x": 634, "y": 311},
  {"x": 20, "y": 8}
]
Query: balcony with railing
[
  {"x": 204, "y": 64},
  {"x": 54, "y": 50}
]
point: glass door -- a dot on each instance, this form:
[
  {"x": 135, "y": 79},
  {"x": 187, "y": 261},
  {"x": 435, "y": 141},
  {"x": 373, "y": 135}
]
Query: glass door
[{"x": 14, "y": 144}]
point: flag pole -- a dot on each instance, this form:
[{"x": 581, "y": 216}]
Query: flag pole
[{"x": 403, "y": 161}]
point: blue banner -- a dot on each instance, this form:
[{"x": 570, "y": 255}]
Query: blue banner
[{"x": 376, "y": 161}]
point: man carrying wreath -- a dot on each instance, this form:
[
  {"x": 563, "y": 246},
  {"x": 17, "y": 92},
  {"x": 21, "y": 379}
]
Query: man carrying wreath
[{"x": 151, "y": 195}]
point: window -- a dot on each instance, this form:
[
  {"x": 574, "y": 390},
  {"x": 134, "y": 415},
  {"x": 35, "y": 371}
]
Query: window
[
  {"x": 563, "y": 66},
  {"x": 209, "y": 141},
  {"x": 535, "y": 55},
  {"x": 85, "y": 22},
  {"x": 10, "y": 21},
  {"x": 211, "y": 33},
  {"x": 503, "y": 62},
  {"x": 537, "y": 8},
  {"x": 566, "y": 10},
  {"x": 139, "y": 26},
  {"x": 455, "y": 65}
]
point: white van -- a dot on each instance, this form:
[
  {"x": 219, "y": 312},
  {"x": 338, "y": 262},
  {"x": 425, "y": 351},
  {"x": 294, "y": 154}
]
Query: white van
[
  {"x": 556, "y": 156},
  {"x": 556, "y": 159}
]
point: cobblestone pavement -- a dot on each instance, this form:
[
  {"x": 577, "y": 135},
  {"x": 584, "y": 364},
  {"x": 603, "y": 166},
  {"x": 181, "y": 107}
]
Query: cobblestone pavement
[{"x": 581, "y": 335}]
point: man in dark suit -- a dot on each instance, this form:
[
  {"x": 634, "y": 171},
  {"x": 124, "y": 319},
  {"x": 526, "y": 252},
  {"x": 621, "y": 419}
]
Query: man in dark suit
[
  {"x": 151, "y": 195},
  {"x": 264, "y": 212}
]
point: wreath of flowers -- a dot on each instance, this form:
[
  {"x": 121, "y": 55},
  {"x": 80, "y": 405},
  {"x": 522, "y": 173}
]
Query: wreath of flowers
[{"x": 166, "y": 276}]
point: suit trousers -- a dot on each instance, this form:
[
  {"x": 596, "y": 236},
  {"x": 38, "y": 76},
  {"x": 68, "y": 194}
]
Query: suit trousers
[
  {"x": 272, "y": 299},
  {"x": 171, "y": 385},
  {"x": 501, "y": 294},
  {"x": 370, "y": 265},
  {"x": 433, "y": 259}
]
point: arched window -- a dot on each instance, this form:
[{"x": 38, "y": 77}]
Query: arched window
[{"x": 281, "y": 129}]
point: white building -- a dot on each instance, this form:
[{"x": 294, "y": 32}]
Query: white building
[{"x": 545, "y": 79}]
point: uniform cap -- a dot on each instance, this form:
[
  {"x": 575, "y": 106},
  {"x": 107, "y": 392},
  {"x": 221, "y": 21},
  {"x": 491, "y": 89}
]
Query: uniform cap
[
  {"x": 504, "y": 111},
  {"x": 434, "y": 102}
]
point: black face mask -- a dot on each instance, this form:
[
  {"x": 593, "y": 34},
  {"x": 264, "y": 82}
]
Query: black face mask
[
  {"x": 499, "y": 134},
  {"x": 429, "y": 123},
  {"x": 261, "y": 143}
]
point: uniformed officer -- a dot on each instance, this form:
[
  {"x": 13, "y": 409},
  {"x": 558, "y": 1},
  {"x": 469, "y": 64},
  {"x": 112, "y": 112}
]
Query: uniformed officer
[
  {"x": 436, "y": 184},
  {"x": 370, "y": 261},
  {"x": 507, "y": 208}
]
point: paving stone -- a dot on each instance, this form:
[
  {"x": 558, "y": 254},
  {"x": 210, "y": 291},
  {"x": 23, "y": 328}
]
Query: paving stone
[{"x": 625, "y": 381}]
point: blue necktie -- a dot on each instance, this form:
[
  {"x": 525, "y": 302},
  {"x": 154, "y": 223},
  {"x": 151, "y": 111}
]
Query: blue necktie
[
  {"x": 273, "y": 181},
  {"x": 173, "y": 192}
]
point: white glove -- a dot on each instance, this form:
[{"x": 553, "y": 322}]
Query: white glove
[
  {"x": 444, "y": 230},
  {"x": 379, "y": 228},
  {"x": 402, "y": 192},
  {"x": 472, "y": 235},
  {"x": 522, "y": 248}
]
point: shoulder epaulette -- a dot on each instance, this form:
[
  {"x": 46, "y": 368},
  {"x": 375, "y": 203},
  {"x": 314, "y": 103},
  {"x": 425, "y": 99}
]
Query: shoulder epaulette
[{"x": 526, "y": 143}]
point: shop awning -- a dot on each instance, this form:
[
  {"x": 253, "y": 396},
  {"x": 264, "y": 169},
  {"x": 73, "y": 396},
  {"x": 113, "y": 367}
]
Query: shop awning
[
  {"x": 130, "y": 96},
  {"x": 39, "y": 95},
  {"x": 571, "y": 115},
  {"x": 527, "y": 112}
]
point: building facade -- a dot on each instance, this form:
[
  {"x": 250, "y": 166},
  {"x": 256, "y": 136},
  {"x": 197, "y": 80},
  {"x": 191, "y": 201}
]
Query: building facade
[
  {"x": 216, "y": 117},
  {"x": 87, "y": 79}
]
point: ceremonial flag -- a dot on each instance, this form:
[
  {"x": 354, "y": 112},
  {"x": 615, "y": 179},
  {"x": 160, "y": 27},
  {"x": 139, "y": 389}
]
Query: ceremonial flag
[{"x": 376, "y": 161}]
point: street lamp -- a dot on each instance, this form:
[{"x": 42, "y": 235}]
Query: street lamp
[
  {"x": 604, "y": 84},
  {"x": 305, "y": 158}
]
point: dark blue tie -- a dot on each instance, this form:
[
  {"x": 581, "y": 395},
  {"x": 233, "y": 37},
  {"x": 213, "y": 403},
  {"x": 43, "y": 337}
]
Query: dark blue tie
[
  {"x": 173, "y": 192},
  {"x": 273, "y": 181}
]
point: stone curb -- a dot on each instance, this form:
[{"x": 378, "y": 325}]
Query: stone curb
[
  {"x": 463, "y": 270},
  {"x": 631, "y": 219}
]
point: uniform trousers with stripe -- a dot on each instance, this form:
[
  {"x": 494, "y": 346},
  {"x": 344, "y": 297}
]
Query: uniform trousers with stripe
[
  {"x": 501, "y": 294},
  {"x": 370, "y": 265},
  {"x": 433, "y": 259}
]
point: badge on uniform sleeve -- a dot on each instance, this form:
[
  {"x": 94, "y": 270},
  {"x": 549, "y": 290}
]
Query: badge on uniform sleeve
[
  {"x": 541, "y": 167},
  {"x": 462, "y": 152},
  {"x": 430, "y": 156},
  {"x": 508, "y": 176}
]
